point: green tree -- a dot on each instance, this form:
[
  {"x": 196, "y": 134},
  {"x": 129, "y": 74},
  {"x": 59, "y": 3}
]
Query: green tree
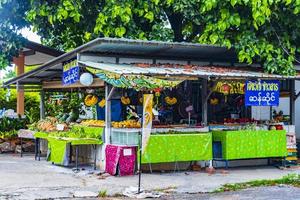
[
  {"x": 32, "y": 102},
  {"x": 263, "y": 31},
  {"x": 12, "y": 19}
]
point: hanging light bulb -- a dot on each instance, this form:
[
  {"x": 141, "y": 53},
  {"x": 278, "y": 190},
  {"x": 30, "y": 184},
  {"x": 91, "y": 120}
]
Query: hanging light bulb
[{"x": 86, "y": 79}]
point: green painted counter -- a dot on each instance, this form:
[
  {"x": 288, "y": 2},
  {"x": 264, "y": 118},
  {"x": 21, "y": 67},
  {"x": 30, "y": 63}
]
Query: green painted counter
[
  {"x": 58, "y": 146},
  {"x": 246, "y": 144},
  {"x": 57, "y": 142},
  {"x": 178, "y": 147}
]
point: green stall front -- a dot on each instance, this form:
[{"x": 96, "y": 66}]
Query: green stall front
[{"x": 250, "y": 144}]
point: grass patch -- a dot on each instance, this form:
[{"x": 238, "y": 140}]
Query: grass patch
[
  {"x": 102, "y": 193},
  {"x": 290, "y": 179}
]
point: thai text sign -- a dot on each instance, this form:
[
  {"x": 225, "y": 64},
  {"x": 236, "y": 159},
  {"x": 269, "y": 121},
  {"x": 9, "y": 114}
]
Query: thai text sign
[
  {"x": 70, "y": 72},
  {"x": 262, "y": 93}
]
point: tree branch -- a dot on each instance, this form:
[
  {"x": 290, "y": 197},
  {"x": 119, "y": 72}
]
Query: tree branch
[{"x": 175, "y": 20}]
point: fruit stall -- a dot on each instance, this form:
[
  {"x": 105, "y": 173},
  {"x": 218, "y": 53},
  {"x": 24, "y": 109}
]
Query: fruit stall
[
  {"x": 177, "y": 108},
  {"x": 63, "y": 137}
]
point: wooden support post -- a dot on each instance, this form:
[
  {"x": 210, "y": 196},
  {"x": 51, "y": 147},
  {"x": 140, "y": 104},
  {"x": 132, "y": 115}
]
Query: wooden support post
[
  {"x": 42, "y": 104},
  {"x": 204, "y": 102},
  {"x": 20, "y": 62},
  {"x": 292, "y": 102}
]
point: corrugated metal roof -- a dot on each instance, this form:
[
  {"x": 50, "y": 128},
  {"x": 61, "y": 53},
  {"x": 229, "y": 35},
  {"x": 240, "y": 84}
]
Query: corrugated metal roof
[
  {"x": 131, "y": 48},
  {"x": 183, "y": 70},
  {"x": 138, "y": 49}
]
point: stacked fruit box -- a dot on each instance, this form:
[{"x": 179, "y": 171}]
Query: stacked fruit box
[{"x": 291, "y": 145}]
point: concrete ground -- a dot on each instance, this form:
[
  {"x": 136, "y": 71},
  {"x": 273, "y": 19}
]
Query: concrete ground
[
  {"x": 261, "y": 193},
  {"x": 25, "y": 178}
]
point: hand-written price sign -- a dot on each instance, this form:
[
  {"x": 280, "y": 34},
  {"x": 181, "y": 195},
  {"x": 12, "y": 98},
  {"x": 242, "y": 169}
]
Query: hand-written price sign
[
  {"x": 262, "y": 93},
  {"x": 70, "y": 72}
]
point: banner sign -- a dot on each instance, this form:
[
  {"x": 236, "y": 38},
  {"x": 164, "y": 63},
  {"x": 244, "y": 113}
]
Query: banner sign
[
  {"x": 147, "y": 120},
  {"x": 262, "y": 93},
  {"x": 230, "y": 87},
  {"x": 70, "y": 72}
]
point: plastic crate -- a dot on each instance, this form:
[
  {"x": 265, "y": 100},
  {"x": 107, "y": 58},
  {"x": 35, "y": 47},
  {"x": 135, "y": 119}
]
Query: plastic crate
[{"x": 128, "y": 137}]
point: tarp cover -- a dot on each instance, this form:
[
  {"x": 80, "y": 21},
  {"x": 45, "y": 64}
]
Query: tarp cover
[
  {"x": 245, "y": 144},
  {"x": 178, "y": 147}
]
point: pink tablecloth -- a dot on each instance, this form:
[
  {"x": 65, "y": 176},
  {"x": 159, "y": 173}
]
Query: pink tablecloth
[{"x": 123, "y": 157}]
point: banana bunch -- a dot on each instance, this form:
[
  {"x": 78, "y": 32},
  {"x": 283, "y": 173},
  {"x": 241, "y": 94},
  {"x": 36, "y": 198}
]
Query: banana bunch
[
  {"x": 214, "y": 101},
  {"x": 125, "y": 100},
  {"x": 170, "y": 100},
  {"x": 126, "y": 124},
  {"x": 101, "y": 103},
  {"x": 141, "y": 99},
  {"x": 92, "y": 122},
  {"x": 90, "y": 100}
]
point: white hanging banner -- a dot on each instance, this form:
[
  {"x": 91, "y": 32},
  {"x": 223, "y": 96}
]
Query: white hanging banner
[{"x": 147, "y": 120}]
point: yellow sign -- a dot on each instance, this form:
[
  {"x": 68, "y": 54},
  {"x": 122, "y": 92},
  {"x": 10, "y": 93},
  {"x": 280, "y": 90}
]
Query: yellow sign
[
  {"x": 147, "y": 120},
  {"x": 230, "y": 87}
]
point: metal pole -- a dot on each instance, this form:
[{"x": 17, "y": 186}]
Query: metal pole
[
  {"x": 140, "y": 162},
  {"x": 42, "y": 104},
  {"x": 21, "y": 147},
  {"x": 95, "y": 155},
  {"x": 204, "y": 102},
  {"x": 292, "y": 102},
  {"x": 107, "y": 132},
  {"x": 108, "y": 94},
  {"x": 76, "y": 157}
]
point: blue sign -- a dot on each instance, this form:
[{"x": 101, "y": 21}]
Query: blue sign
[
  {"x": 70, "y": 73},
  {"x": 262, "y": 93}
]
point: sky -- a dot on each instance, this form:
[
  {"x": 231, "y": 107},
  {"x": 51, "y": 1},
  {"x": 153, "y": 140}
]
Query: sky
[{"x": 27, "y": 33}]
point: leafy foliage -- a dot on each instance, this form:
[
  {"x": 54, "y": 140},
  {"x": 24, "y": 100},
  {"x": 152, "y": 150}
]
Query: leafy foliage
[
  {"x": 9, "y": 126},
  {"x": 263, "y": 31},
  {"x": 10, "y": 74},
  {"x": 71, "y": 103},
  {"x": 32, "y": 109},
  {"x": 12, "y": 15}
]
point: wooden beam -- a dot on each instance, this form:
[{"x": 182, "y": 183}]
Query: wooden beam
[
  {"x": 58, "y": 84},
  {"x": 20, "y": 62},
  {"x": 28, "y": 52}
]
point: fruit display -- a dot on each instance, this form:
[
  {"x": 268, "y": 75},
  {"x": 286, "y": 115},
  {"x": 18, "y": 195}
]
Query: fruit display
[
  {"x": 99, "y": 123},
  {"x": 239, "y": 121},
  {"x": 47, "y": 125},
  {"x": 90, "y": 100},
  {"x": 170, "y": 100},
  {"x": 125, "y": 100},
  {"x": 126, "y": 124},
  {"x": 67, "y": 117},
  {"x": 276, "y": 127},
  {"x": 101, "y": 103}
]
